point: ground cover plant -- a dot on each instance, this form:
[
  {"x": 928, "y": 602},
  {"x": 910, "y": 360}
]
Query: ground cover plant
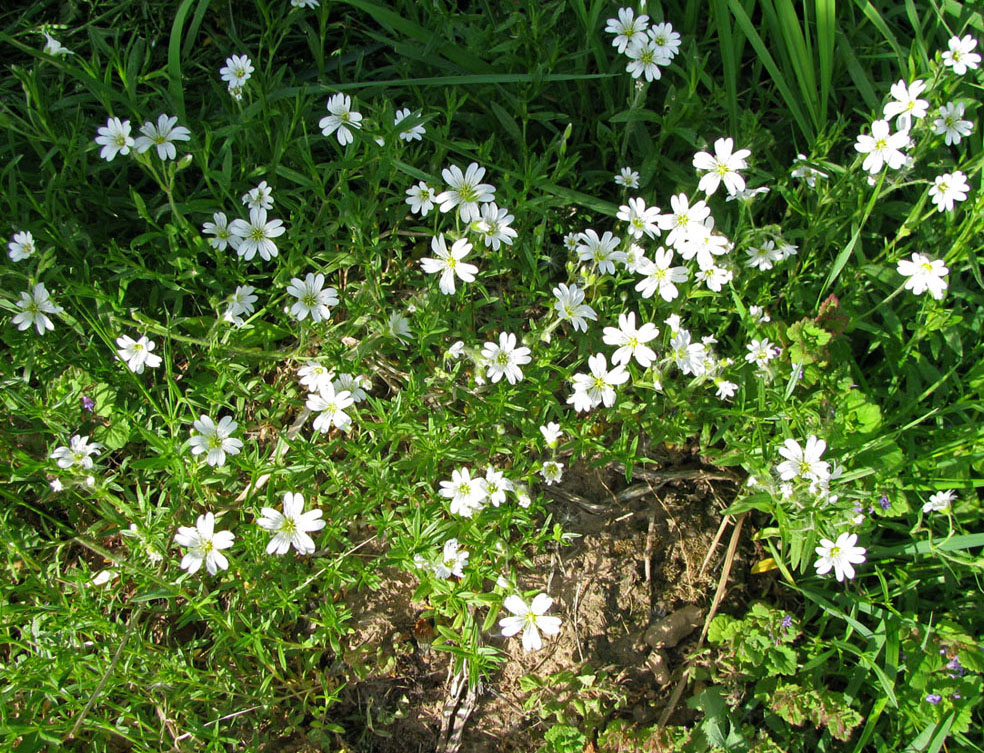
[{"x": 521, "y": 376}]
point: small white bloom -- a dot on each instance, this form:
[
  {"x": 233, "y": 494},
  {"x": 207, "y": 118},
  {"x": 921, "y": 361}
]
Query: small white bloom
[
  {"x": 722, "y": 166},
  {"x": 467, "y": 494},
  {"x": 77, "y": 453},
  {"x": 949, "y": 188},
  {"x": 313, "y": 375},
  {"x": 312, "y": 298},
  {"x": 493, "y": 226},
  {"x": 241, "y": 304},
  {"x": 215, "y": 440},
  {"x": 551, "y": 434},
  {"x": 453, "y": 561},
  {"x": 223, "y": 235},
  {"x": 504, "y": 359},
  {"x": 237, "y": 71},
  {"x": 496, "y": 486},
  {"x": 449, "y": 263},
  {"x": 398, "y": 326},
  {"x": 53, "y": 47},
  {"x": 114, "y": 137},
  {"x": 804, "y": 462},
  {"x": 413, "y": 132},
  {"x": 260, "y": 197},
  {"x": 660, "y": 277},
  {"x": 804, "y": 172},
  {"x": 357, "y": 386},
  {"x": 552, "y": 472},
  {"x": 591, "y": 390},
  {"x": 627, "y": 178},
  {"x": 163, "y": 134},
  {"x": 961, "y": 56},
  {"x": 256, "y": 235},
  {"x": 420, "y": 198},
  {"x": 137, "y": 353},
  {"x": 940, "y": 502},
  {"x": 882, "y": 147},
  {"x": 950, "y": 123},
  {"x": 530, "y": 619},
  {"x": 601, "y": 251},
  {"x": 570, "y": 306},
  {"x": 760, "y": 352},
  {"x": 330, "y": 407},
  {"x": 924, "y": 274},
  {"x": 21, "y": 247},
  {"x": 631, "y": 342},
  {"x": 291, "y": 527},
  {"x": 341, "y": 119},
  {"x": 627, "y": 28},
  {"x": 642, "y": 220},
  {"x": 906, "y": 104},
  {"x": 204, "y": 544},
  {"x": 466, "y": 191},
  {"x": 840, "y": 556}
]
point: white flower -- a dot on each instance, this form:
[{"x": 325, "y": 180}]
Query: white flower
[
  {"x": 453, "y": 561},
  {"x": 722, "y": 166},
  {"x": 260, "y": 197},
  {"x": 840, "y": 555},
  {"x": 77, "y": 453},
  {"x": 600, "y": 250},
  {"x": 304, "y": 3},
  {"x": 702, "y": 242},
  {"x": 551, "y": 434},
  {"x": 660, "y": 277},
  {"x": 714, "y": 277},
  {"x": 466, "y": 191},
  {"x": 203, "y": 543},
  {"x": 256, "y": 235},
  {"x": 689, "y": 357},
  {"x": 906, "y": 104},
  {"x": 237, "y": 71},
  {"x": 684, "y": 220},
  {"x": 522, "y": 495},
  {"x": 137, "y": 353},
  {"x": 53, "y": 47},
  {"x": 413, "y": 132},
  {"x": 882, "y": 147},
  {"x": 725, "y": 389},
  {"x": 398, "y": 326},
  {"x": 924, "y": 274},
  {"x": 627, "y": 178},
  {"x": 313, "y": 375},
  {"x": 454, "y": 352},
  {"x": 591, "y": 390},
  {"x": 948, "y": 188},
  {"x": 291, "y": 527},
  {"x": 803, "y": 171},
  {"x": 21, "y": 247},
  {"x": 759, "y": 315},
  {"x": 330, "y": 407},
  {"x": 762, "y": 257},
  {"x": 951, "y": 123},
  {"x": 939, "y": 502},
  {"x": 631, "y": 342},
  {"x": 645, "y": 58},
  {"x": 312, "y": 297},
  {"x": 449, "y": 263},
  {"x": 114, "y": 137},
  {"x": 420, "y": 198},
  {"x": 467, "y": 494},
  {"x": 552, "y": 472},
  {"x": 496, "y": 486},
  {"x": 641, "y": 220},
  {"x": 493, "y": 226},
  {"x": 531, "y": 619},
  {"x": 240, "y": 305},
  {"x": 804, "y": 462},
  {"x": 961, "y": 56},
  {"x": 355, "y": 385},
  {"x": 570, "y": 306},
  {"x": 635, "y": 259},
  {"x": 162, "y": 135},
  {"x": 223, "y": 235},
  {"x": 504, "y": 359},
  {"x": 215, "y": 440},
  {"x": 760, "y": 352},
  {"x": 666, "y": 41},
  {"x": 341, "y": 119},
  {"x": 626, "y": 28}
]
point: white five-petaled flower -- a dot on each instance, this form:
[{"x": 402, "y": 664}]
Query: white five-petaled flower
[
  {"x": 660, "y": 277},
  {"x": 398, "y": 326},
  {"x": 552, "y": 472},
  {"x": 551, "y": 434},
  {"x": 762, "y": 256},
  {"x": 961, "y": 56},
  {"x": 840, "y": 556},
  {"x": 413, "y": 132},
  {"x": 906, "y": 104},
  {"x": 260, "y": 197},
  {"x": 53, "y": 47},
  {"x": 493, "y": 226},
  {"x": 948, "y": 188},
  {"x": 313, "y": 374},
  {"x": 223, "y": 234},
  {"x": 453, "y": 561},
  {"x": 722, "y": 166},
  {"x": 21, "y": 247},
  {"x": 627, "y": 178},
  {"x": 530, "y": 619},
  {"x": 714, "y": 278},
  {"x": 645, "y": 58},
  {"x": 760, "y": 352},
  {"x": 420, "y": 198},
  {"x": 627, "y": 28},
  {"x": 496, "y": 486},
  {"x": 330, "y": 406},
  {"x": 806, "y": 173},
  {"x": 237, "y": 70},
  {"x": 882, "y": 147},
  {"x": 204, "y": 544},
  {"x": 940, "y": 502},
  {"x": 684, "y": 219},
  {"x": 313, "y": 299},
  {"x": 34, "y": 305},
  {"x": 804, "y": 462},
  {"x": 631, "y": 342},
  {"x": 689, "y": 357},
  {"x": 137, "y": 353},
  {"x": 601, "y": 251},
  {"x": 467, "y": 494},
  {"x": 591, "y": 390},
  {"x": 355, "y": 385},
  {"x": 215, "y": 440},
  {"x": 291, "y": 527},
  {"x": 951, "y": 124},
  {"x": 341, "y": 119},
  {"x": 163, "y": 134},
  {"x": 504, "y": 359},
  {"x": 642, "y": 220},
  {"x": 240, "y": 304},
  {"x": 466, "y": 191},
  {"x": 115, "y": 138},
  {"x": 924, "y": 274},
  {"x": 77, "y": 453},
  {"x": 256, "y": 235},
  {"x": 570, "y": 306},
  {"x": 666, "y": 41},
  {"x": 449, "y": 263}
]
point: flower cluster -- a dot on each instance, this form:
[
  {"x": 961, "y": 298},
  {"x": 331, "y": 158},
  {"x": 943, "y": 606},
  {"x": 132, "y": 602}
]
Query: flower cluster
[
  {"x": 648, "y": 48},
  {"x": 236, "y": 72}
]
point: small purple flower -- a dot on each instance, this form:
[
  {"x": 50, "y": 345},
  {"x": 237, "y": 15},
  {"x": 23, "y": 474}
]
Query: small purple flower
[
  {"x": 88, "y": 403},
  {"x": 933, "y": 698},
  {"x": 956, "y": 666},
  {"x": 787, "y": 621},
  {"x": 883, "y": 501}
]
